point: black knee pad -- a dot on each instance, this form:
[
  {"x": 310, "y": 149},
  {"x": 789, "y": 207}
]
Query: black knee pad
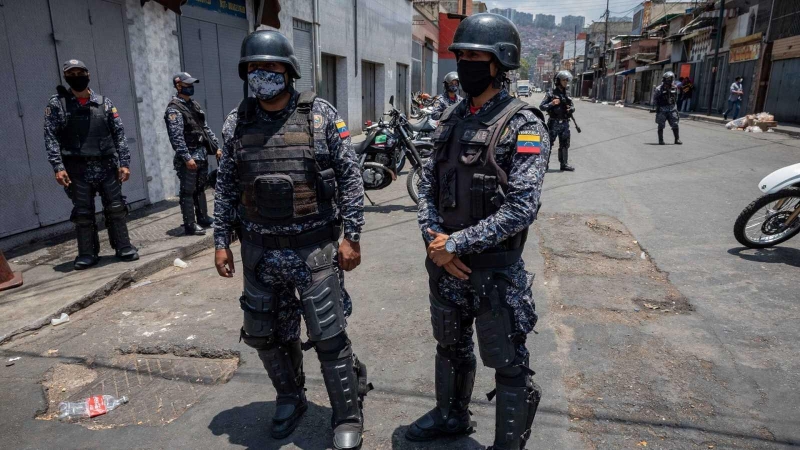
[
  {"x": 516, "y": 374},
  {"x": 258, "y": 342},
  {"x": 333, "y": 349},
  {"x": 116, "y": 209},
  {"x": 82, "y": 216}
]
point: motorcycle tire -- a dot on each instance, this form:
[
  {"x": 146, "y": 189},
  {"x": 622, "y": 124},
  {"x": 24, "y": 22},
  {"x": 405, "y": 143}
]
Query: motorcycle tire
[
  {"x": 739, "y": 231},
  {"x": 412, "y": 182},
  {"x": 400, "y": 164}
]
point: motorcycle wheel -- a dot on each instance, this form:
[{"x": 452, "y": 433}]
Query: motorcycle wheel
[
  {"x": 415, "y": 112},
  {"x": 400, "y": 163},
  {"x": 412, "y": 181},
  {"x": 761, "y": 223}
]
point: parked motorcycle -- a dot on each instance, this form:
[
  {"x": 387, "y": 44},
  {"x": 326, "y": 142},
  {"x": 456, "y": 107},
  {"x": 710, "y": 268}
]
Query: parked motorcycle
[
  {"x": 772, "y": 218},
  {"x": 419, "y": 101},
  {"x": 383, "y": 154}
]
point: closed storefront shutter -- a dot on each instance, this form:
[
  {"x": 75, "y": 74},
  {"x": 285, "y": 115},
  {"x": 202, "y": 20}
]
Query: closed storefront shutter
[{"x": 304, "y": 51}]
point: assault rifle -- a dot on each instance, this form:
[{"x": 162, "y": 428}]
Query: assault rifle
[{"x": 567, "y": 102}]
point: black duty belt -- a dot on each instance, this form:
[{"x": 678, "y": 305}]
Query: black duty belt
[
  {"x": 327, "y": 233},
  {"x": 492, "y": 260},
  {"x": 87, "y": 158}
]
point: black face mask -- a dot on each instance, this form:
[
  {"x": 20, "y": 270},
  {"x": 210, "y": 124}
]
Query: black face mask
[
  {"x": 188, "y": 90},
  {"x": 474, "y": 76},
  {"x": 78, "y": 83}
]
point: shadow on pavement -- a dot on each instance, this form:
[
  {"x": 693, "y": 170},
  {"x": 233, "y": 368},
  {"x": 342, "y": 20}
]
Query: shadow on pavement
[
  {"x": 399, "y": 442},
  {"x": 250, "y": 426},
  {"x": 385, "y": 209},
  {"x": 779, "y": 255}
]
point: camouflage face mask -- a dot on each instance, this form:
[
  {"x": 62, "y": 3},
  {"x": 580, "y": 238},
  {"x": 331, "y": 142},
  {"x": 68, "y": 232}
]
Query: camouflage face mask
[{"x": 266, "y": 85}]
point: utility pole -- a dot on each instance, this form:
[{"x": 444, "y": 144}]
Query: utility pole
[
  {"x": 575, "y": 57},
  {"x": 715, "y": 69},
  {"x": 605, "y": 42}
]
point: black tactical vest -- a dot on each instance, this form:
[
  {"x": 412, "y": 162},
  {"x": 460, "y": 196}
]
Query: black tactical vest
[
  {"x": 560, "y": 111},
  {"x": 193, "y": 120},
  {"x": 279, "y": 177},
  {"x": 666, "y": 97},
  {"x": 86, "y": 132},
  {"x": 471, "y": 184}
]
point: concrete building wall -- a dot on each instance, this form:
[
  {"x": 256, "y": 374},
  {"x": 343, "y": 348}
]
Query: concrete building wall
[{"x": 155, "y": 57}]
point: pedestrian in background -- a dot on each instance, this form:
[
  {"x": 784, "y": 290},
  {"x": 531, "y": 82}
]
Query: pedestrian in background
[
  {"x": 735, "y": 99},
  {"x": 450, "y": 97},
  {"x": 686, "y": 97}
]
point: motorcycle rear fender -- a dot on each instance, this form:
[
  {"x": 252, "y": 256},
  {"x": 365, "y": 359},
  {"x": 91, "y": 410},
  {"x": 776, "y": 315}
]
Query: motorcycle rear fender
[{"x": 780, "y": 179}]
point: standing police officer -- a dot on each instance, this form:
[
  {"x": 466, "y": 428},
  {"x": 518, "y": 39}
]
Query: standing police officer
[
  {"x": 86, "y": 146},
  {"x": 559, "y": 108},
  {"x": 479, "y": 195},
  {"x": 192, "y": 140},
  {"x": 451, "y": 97},
  {"x": 289, "y": 173},
  {"x": 665, "y": 102}
]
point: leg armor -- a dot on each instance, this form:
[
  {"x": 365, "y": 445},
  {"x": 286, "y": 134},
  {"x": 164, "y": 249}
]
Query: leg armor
[
  {"x": 322, "y": 299},
  {"x": 494, "y": 322},
  {"x": 284, "y": 364},
  {"x": 518, "y": 399},
  {"x": 82, "y": 196},
  {"x": 115, "y": 210},
  {"x": 660, "y": 136},
  {"x": 257, "y": 300},
  {"x": 200, "y": 201},
  {"x": 455, "y": 377},
  {"x": 188, "y": 187},
  {"x": 346, "y": 382}
]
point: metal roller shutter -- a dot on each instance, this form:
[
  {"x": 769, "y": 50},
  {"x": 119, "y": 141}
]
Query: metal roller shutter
[{"x": 304, "y": 51}]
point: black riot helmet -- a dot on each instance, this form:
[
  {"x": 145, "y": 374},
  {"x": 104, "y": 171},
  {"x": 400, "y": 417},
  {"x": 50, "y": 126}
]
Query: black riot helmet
[
  {"x": 563, "y": 75},
  {"x": 450, "y": 77},
  {"x": 489, "y": 33},
  {"x": 268, "y": 46},
  {"x": 668, "y": 76}
]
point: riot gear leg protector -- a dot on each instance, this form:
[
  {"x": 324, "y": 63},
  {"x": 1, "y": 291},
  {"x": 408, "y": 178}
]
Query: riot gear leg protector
[
  {"x": 518, "y": 399},
  {"x": 188, "y": 184},
  {"x": 677, "y": 136},
  {"x": 115, "y": 210},
  {"x": 201, "y": 208},
  {"x": 661, "y": 136},
  {"x": 82, "y": 196},
  {"x": 284, "y": 364},
  {"x": 346, "y": 382}
]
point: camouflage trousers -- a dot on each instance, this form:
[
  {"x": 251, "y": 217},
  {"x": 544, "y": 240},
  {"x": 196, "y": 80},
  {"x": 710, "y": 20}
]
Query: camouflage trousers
[
  {"x": 560, "y": 129},
  {"x": 518, "y": 298},
  {"x": 286, "y": 273},
  {"x": 671, "y": 115}
]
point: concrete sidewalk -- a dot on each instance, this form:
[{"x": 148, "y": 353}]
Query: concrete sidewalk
[
  {"x": 52, "y": 286},
  {"x": 783, "y": 127}
]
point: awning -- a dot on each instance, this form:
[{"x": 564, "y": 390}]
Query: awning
[
  {"x": 626, "y": 72},
  {"x": 662, "y": 62}
]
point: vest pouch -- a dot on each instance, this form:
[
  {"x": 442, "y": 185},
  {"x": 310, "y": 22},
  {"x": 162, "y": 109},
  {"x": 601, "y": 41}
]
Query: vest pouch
[
  {"x": 106, "y": 145},
  {"x": 485, "y": 196},
  {"x": 447, "y": 189},
  {"x": 326, "y": 184},
  {"x": 274, "y": 196}
]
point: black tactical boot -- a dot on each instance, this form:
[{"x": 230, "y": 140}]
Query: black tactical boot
[
  {"x": 201, "y": 209},
  {"x": 120, "y": 241},
  {"x": 677, "y": 136},
  {"x": 187, "y": 211},
  {"x": 284, "y": 364},
  {"x": 346, "y": 382},
  {"x": 88, "y": 247},
  {"x": 454, "y": 381},
  {"x": 515, "y": 411},
  {"x": 567, "y": 168},
  {"x": 661, "y": 137}
]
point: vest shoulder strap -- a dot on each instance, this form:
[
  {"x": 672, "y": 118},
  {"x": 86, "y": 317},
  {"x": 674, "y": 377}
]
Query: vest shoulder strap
[
  {"x": 449, "y": 111},
  {"x": 512, "y": 107},
  {"x": 306, "y": 101},
  {"x": 247, "y": 109}
]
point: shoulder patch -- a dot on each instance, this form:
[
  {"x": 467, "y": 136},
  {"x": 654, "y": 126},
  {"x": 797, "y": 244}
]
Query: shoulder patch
[
  {"x": 529, "y": 142},
  {"x": 114, "y": 111},
  {"x": 341, "y": 127},
  {"x": 173, "y": 116},
  {"x": 47, "y": 111},
  {"x": 318, "y": 122}
]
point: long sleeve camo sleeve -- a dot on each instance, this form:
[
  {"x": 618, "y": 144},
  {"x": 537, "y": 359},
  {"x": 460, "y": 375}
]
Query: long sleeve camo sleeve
[
  {"x": 226, "y": 195},
  {"x": 427, "y": 215},
  {"x": 118, "y": 133}
]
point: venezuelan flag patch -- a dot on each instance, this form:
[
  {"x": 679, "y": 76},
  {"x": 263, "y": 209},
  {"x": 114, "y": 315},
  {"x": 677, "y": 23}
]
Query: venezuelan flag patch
[
  {"x": 114, "y": 112},
  {"x": 529, "y": 142},
  {"x": 341, "y": 127}
]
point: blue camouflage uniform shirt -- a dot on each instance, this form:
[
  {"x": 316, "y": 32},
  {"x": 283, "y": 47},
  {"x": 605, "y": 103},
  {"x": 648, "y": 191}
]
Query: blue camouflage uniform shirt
[
  {"x": 175, "y": 124},
  {"x": 55, "y": 120},
  {"x": 525, "y": 177},
  {"x": 442, "y": 103},
  {"x": 334, "y": 151}
]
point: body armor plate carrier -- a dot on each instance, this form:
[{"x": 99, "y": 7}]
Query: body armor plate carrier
[
  {"x": 193, "y": 118},
  {"x": 279, "y": 176},
  {"x": 86, "y": 132}
]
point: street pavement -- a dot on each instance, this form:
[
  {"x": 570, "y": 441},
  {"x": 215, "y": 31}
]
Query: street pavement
[{"x": 656, "y": 329}]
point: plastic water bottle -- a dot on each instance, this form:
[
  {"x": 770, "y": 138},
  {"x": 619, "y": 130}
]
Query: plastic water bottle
[{"x": 90, "y": 407}]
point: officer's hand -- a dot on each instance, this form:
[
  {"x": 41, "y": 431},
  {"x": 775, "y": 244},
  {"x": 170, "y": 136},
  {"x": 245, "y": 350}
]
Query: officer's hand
[
  {"x": 436, "y": 249},
  {"x": 219, "y": 155},
  {"x": 457, "y": 269},
  {"x": 223, "y": 259},
  {"x": 62, "y": 178},
  {"x": 191, "y": 165},
  {"x": 556, "y": 101},
  {"x": 124, "y": 174},
  {"x": 349, "y": 255}
]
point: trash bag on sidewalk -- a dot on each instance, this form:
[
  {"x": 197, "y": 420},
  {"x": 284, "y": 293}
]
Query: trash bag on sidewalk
[{"x": 741, "y": 122}]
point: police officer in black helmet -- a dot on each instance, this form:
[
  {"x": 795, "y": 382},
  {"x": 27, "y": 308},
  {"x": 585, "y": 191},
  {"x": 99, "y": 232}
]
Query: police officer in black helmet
[
  {"x": 86, "y": 146},
  {"x": 665, "y": 104},
  {"x": 289, "y": 173},
  {"x": 479, "y": 194}
]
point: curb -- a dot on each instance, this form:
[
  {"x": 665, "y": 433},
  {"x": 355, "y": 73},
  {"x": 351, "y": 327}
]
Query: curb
[
  {"x": 120, "y": 282},
  {"x": 700, "y": 118}
]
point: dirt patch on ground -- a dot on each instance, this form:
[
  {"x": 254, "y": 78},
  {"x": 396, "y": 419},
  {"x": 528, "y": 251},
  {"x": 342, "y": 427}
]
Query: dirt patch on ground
[
  {"x": 161, "y": 383},
  {"x": 627, "y": 386}
]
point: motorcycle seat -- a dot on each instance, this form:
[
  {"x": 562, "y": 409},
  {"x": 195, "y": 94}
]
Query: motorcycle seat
[{"x": 422, "y": 125}]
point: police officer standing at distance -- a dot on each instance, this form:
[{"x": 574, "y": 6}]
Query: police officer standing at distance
[
  {"x": 665, "y": 102},
  {"x": 559, "y": 107},
  {"x": 479, "y": 195},
  {"x": 450, "y": 97},
  {"x": 87, "y": 148},
  {"x": 289, "y": 172},
  {"x": 192, "y": 140}
]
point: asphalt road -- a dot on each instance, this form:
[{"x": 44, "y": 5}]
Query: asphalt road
[{"x": 655, "y": 328}]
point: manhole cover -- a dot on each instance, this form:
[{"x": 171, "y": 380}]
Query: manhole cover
[{"x": 160, "y": 387}]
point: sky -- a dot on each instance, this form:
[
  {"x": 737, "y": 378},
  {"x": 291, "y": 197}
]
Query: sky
[{"x": 590, "y": 9}]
